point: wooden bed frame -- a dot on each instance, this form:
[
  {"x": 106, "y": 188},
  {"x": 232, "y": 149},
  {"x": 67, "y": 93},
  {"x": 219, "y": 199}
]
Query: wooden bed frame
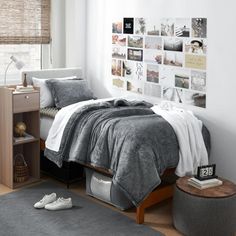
[{"x": 161, "y": 193}]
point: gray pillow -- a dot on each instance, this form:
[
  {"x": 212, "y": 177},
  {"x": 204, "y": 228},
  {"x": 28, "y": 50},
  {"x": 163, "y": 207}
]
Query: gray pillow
[{"x": 66, "y": 92}]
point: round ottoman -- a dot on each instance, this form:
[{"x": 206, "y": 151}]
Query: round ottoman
[{"x": 208, "y": 212}]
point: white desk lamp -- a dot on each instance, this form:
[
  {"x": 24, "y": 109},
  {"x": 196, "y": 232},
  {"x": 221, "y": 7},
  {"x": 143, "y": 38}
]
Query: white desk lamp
[{"x": 18, "y": 64}]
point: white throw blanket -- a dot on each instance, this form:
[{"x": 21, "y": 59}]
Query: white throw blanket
[
  {"x": 188, "y": 129},
  {"x": 55, "y": 134}
]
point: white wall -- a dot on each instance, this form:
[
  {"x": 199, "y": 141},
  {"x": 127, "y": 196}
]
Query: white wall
[
  {"x": 68, "y": 32},
  {"x": 75, "y": 33},
  {"x": 57, "y": 55},
  {"x": 220, "y": 114}
]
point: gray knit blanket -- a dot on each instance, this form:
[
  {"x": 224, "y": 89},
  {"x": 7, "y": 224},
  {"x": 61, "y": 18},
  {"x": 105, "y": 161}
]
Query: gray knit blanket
[{"x": 127, "y": 138}]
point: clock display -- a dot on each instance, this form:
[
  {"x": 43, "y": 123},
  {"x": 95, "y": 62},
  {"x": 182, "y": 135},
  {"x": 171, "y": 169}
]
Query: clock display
[{"x": 206, "y": 172}]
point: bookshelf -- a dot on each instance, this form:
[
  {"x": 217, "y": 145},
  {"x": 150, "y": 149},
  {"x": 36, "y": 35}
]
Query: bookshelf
[{"x": 19, "y": 107}]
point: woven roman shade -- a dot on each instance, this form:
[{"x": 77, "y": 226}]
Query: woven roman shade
[{"x": 24, "y": 21}]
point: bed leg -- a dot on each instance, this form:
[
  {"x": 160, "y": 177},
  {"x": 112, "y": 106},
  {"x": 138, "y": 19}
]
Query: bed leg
[
  {"x": 158, "y": 195},
  {"x": 140, "y": 215}
]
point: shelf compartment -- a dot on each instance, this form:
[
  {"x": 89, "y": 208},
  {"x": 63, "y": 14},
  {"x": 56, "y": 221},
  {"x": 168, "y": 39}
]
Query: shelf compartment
[
  {"x": 30, "y": 153},
  {"x": 31, "y": 120}
]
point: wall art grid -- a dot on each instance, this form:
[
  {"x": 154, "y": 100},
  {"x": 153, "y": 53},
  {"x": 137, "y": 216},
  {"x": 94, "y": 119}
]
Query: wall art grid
[{"x": 163, "y": 58}]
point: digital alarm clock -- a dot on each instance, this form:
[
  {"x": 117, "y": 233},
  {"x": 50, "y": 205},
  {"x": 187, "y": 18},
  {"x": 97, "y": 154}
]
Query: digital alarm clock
[{"x": 206, "y": 172}]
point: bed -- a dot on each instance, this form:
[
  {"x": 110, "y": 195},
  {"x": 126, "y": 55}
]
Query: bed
[{"x": 99, "y": 172}]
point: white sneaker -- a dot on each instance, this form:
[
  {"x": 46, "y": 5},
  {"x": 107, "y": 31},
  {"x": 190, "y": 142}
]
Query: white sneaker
[
  {"x": 59, "y": 204},
  {"x": 45, "y": 200}
]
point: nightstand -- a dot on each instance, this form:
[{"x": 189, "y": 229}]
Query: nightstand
[
  {"x": 19, "y": 107},
  {"x": 210, "y": 211}
]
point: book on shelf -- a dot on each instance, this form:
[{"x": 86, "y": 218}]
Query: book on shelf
[
  {"x": 24, "y": 138},
  {"x": 203, "y": 184}
]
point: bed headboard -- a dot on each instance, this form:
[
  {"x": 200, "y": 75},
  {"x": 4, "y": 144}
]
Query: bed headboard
[{"x": 52, "y": 73}]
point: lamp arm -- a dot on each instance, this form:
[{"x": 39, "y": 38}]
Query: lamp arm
[{"x": 5, "y": 75}]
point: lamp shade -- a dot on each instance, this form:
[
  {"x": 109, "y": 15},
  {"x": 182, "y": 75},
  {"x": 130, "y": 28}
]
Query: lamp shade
[{"x": 18, "y": 64}]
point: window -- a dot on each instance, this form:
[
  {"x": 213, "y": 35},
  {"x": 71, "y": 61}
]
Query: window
[
  {"x": 30, "y": 54},
  {"x": 25, "y": 26}
]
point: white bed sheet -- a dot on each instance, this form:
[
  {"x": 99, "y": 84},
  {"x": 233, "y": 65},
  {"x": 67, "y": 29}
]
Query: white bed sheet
[{"x": 45, "y": 125}]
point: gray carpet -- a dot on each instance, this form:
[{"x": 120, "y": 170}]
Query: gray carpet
[{"x": 19, "y": 218}]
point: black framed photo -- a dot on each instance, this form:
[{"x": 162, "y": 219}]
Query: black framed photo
[
  {"x": 206, "y": 172},
  {"x": 135, "y": 54},
  {"x": 128, "y": 26}
]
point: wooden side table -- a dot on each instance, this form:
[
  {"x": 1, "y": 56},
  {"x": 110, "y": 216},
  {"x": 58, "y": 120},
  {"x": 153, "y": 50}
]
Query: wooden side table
[
  {"x": 205, "y": 212},
  {"x": 19, "y": 107}
]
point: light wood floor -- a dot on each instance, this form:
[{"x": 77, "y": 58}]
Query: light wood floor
[{"x": 157, "y": 217}]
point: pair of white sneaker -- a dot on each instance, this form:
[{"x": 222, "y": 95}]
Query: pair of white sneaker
[{"x": 50, "y": 202}]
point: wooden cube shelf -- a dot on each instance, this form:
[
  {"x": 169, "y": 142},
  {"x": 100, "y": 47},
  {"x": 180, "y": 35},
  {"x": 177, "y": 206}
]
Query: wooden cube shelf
[{"x": 19, "y": 107}]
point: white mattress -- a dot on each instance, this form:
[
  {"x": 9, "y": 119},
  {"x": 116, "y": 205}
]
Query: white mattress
[{"x": 45, "y": 125}]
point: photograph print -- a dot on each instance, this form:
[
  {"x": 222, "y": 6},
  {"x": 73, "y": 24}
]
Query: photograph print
[
  {"x": 119, "y": 52},
  {"x": 153, "y": 26},
  {"x": 140, "y": 26},
  {"x": 129, "y": 69},
  {"x": 118, "y": 83},
  {"x": 135, "y": 41},
  {"x": 199, "y": 27},
  {"x": 173, "y": 44},
  {"x": 153, "y": 42},
  {"x": 153, "y": 56},
  {"x": 116, "y": 67},
  {"x": 182, "y": 78},
  {"x": 167, "y": 77},
  {"x": 119, "y": 39},
  {"x": 195, "y": 61},
  {"x": 196, "y": 46},
  {"x": 134, "y": 86},
  {"x": 133, "y": 70},
  {"x": 117, "y": 27},
  {"x": 173, "y": 94},
  {"x": 198, "y": 80},
  {"x": 139, "y": 70},
  {"x": 182, "y": 27},
  {"x": 135, "y": 54},
  {"x": 173, "y": 58},
  {"x": 152, "y": 90},
  {"x": 152, "y": 73},
  {"x": 128, "y": 25},
  {"x": 195, "y": 99},
  {"x": 167, "y": 27}
]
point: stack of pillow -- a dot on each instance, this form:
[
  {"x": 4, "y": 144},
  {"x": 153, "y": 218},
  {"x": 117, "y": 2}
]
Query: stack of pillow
[{"x": 61, "y": 92}]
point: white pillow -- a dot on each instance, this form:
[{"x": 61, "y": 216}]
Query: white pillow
[{"x": 46, "y": 99}]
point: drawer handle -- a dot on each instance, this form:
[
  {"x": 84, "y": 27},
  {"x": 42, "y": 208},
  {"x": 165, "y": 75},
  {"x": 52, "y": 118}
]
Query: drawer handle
[{"x": 26, "y": 97}]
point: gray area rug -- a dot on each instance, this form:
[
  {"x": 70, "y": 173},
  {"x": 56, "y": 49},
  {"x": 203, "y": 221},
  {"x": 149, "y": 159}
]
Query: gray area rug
[{"x": 19, "y": 218}]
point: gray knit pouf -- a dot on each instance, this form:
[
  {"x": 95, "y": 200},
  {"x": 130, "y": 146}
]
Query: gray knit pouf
[{"x": 200, "y": 216}]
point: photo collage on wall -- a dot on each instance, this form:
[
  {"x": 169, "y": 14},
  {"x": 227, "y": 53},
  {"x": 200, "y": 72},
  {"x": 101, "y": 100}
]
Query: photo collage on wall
[{"x": 163, "y": 58}]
